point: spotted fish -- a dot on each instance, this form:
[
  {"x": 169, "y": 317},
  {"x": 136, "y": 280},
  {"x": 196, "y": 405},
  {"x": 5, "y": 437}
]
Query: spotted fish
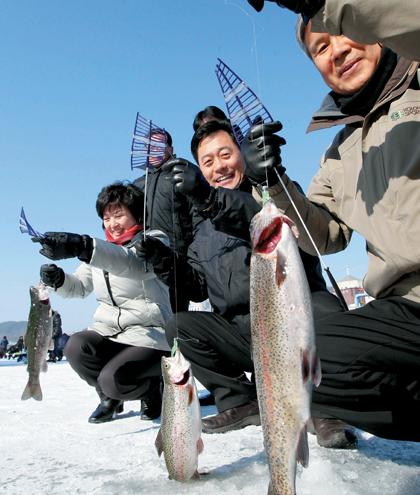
[
  {"x": 38, "y": 339},
  {"x": 179, "y": 437},
  {"x": 283, "y": 345}
]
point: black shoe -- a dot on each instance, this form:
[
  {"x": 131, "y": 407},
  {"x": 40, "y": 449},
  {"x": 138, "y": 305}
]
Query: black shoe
[
  {"x": 233, "y": 419},
  {"x": 333, "y": 433},
  {"x": 207, "y": 400},
  {"x": 151, "y": 406},
  {"x": 105, "y": 411}
]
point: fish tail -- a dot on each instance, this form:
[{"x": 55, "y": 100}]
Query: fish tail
[
  {"x": 302, "y": 452},
  {"x": 32, "y": 390}
]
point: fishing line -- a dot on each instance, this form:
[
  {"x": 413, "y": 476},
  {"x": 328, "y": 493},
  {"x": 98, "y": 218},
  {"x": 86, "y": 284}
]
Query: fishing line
[
  {"x": 175, "y": 346},
  {"x": 175, "y": 271},
  {"x": 255, "y": 49},
  {"x": 330, "y": 276}
]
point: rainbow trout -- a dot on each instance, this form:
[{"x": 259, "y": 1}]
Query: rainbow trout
[
  {"x": 283, "y": 345},
  {"x": 37, "y": 339},
  {"x": 179, "y": 436}
]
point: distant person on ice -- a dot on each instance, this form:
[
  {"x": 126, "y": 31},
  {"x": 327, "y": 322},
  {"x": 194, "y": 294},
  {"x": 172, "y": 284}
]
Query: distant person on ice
[
  {"x": 4, "y": 344},
  {"x": 120, "y": 353}
]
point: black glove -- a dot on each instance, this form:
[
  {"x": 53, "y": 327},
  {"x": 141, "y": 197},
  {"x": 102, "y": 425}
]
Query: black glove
[
  {"x": 308, "y": 8},
  {"x": 261, "y": 152},
  {"x": 52, "y": 276},
  {"x": 189, "y": 180},
  {"x": 63, "y": 245},
  {"x": 151, "y": 250}
]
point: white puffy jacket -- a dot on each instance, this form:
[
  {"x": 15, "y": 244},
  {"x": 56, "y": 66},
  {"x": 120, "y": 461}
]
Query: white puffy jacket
[{"x": 134, "y": 304}]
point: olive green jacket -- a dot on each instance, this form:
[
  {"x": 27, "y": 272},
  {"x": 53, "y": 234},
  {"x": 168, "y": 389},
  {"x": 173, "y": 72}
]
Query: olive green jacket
[{"x": 369, "y": 181}]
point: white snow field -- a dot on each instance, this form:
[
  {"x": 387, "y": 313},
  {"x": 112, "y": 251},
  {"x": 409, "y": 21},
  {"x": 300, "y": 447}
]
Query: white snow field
[{"x": 49, "y": 447}]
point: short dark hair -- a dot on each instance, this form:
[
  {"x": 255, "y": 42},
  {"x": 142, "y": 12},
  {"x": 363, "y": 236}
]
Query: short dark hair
[
  {"x": 118, "y": 194},
  {"x": 210, "y": 112},
  {"x": 168, "y": 136},
  {"x": 208, "y": 129}
]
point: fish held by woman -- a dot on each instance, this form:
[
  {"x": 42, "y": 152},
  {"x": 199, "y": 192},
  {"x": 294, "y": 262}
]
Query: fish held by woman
[
  {"x": 283, "y": 345},
  {"x": 38, "y": 339},
  {"x": 179, "y": 437}
]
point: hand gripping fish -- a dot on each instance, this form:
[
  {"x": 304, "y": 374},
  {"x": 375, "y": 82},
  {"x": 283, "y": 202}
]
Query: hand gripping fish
[
  {"x": 283, "y": 345},
  {"x": 37, "y": 339},
  {"x": 179, "y": 436}
]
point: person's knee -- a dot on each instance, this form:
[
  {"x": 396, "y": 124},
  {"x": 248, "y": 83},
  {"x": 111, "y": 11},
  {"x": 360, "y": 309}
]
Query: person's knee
[
  {"x": 81, "y": 343},
  {"x": 73, "y": 347}
]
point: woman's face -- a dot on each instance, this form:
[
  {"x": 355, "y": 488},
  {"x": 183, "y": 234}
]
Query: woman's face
[{"x": 118, "y": 219}]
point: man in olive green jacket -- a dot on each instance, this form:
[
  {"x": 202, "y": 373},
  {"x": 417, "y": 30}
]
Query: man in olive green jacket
[{"x": 369, "y": 181}]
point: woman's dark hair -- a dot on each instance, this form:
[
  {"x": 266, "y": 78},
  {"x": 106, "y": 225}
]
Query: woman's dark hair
[
  {"x": 209, "y": 113},
  {"x": 206, "y": 130},
  {"x": 118, "y": 194}
]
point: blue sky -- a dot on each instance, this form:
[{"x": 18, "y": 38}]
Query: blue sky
[{"x": 75, "y": 73}]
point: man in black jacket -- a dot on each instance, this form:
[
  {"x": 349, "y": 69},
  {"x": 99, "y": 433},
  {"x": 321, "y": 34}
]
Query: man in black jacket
[
  {"x": 218, "y": 344},
  {"x": 167, "y": 211}
]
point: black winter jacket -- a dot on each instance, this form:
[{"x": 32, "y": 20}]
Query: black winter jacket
[
  {"x": 218, "y": 262},
  {"x": 166, "y": 211}
]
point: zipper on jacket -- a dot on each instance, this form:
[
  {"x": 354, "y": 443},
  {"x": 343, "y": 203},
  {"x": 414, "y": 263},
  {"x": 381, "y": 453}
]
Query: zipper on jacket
[{"x": 108, "y": 285}]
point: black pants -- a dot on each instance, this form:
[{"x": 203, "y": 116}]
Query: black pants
[
  {"x": 220, "y": 351},
  {"x": 371, "y": 368},
  {"x": 117, "y": 371}
]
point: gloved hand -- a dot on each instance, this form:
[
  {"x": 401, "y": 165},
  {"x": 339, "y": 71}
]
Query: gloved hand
[
  {"x": 308, "y": 8},
  {"x": 52, "y": 276},
  {"x": 63, "y": 245},
  {"x": 151, "y": 250},
  {"x": 189, "y": 180},
  {"x": 261, "y": 151}
]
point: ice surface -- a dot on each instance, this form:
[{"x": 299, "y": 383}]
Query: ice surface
[{"x": 49, "y": 447}]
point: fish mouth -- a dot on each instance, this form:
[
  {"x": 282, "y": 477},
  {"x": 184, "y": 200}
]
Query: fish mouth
[
  {"x": 183, "y": 380},
  {"x": 269, "y": 237}
]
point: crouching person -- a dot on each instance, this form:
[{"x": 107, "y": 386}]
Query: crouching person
[{"x": 120, "y": 353}]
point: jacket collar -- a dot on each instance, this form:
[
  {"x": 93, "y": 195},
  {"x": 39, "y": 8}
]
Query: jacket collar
[{"x": 329, "y": 114}]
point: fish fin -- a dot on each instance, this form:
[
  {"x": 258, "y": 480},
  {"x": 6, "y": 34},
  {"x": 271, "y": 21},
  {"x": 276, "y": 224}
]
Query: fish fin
[
  {"x": 306, "y": 367},
  {"x": 200, "y": 445},
  {"x": 302, "y": 451},
  {"x": 190, "y": 395},
  {"x": 51, "y": 345},
  {"x": 32, "y": 391},
  {"x": 44, "y": 366},
  {"x": 280, "y": 269},
  {"x": 316, "y": 370},
  {"x": 159, "y": 443},
  {"x": 196, "y": 475}
]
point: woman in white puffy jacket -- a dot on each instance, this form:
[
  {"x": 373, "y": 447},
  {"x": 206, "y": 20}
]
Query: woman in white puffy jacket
[{"x": 120, "y": 353}]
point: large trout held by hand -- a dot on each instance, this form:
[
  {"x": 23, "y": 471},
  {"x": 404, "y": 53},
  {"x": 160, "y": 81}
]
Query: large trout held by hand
[
  {"x": 283, "y": 345},
  {"x": 37, "y": 339},
  {"x": 179, "y": 436}
]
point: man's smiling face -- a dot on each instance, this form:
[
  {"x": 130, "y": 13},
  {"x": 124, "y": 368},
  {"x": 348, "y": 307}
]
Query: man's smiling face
[
  {"x": 221, "y": 161},
  {"x": 344, "y": 65}
]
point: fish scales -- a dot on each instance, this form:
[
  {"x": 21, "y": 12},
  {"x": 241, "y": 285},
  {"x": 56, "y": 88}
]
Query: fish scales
[
  {"x": 283, "y": 345},
  {"x": 37, "y": 340},
  {"x": 179, "y": 437}
]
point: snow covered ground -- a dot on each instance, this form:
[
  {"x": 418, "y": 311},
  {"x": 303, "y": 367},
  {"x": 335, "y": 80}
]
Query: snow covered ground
[{"x": 49, "y": 447}]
